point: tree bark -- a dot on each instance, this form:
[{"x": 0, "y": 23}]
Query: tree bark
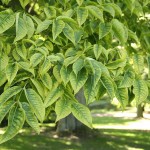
[
  {"x": 70, "y": 123},
  {"x": 140, "y": 110}
]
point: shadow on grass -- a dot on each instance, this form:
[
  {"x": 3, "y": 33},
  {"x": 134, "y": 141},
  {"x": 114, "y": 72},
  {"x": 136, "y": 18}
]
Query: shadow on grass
[{"x": 103, "y": 139}]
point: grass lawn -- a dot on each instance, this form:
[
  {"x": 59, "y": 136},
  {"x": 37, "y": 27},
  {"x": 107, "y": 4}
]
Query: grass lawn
[
  {"x": 103, "y": 139},
  {"x": 98, "y": 139}
]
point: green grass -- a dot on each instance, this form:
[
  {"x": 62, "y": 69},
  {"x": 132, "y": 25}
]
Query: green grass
[{"x": 99, "y": 140}]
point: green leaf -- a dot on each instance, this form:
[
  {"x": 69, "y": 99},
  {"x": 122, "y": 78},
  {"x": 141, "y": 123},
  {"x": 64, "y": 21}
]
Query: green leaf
[
  {"x": 140, "y": 91},
  {"x": 10, "y": 92},
  {"x": 122, "y": 96},
  {"x": 65, "y": 74},
  {"x": 21, "y": 50},
  {"x": 2, "y": 78},
  {"x": 26, "y": 66},
  {"x": 11, "y": 72},
  {"x": 53, "y": 95},
  {"x": 45, "y": 66},
  {"x": 116, "y": 8},
  {"x": 15, "y": 122},
  {"x": 78, "y": 81},
  {"x": 38, "y": 86},
  {"x": 43, "y": 26},
  {"x": 119, "y": 31},
  {"x": 36, "y": 103},
  {"x": 4, "y": 108},
  {"x": 50, "y": 12},
  {"x": 36, "y": 59},
  {"x": 97, "y": 50},
  {"x": 21, "y": 28},
  {"x": 78, "y": 65},
  {"x": 62, "y": 108},
  {"x": 47, "y": 81},
  {"x": 101, "y": 91},
  {"x": 96, "y": 12},
  {"x": 133, "y": 35},
  {"x": 82, "y": 14},
  {"x": 30, "y": 25},
  {"x": 57, "y": 28},
  {"x": 108, "y": 84},
  {"x": 7, "y": 19},
  {"x": 104, "y": 29},
  {"x": 79, "y": 2},
  {"x": 30, "y": 117},
  {"x": 69, "y": 33},
  {"x": 56, "y": 73},
  {"x": 108, "y": 8},
  {"x": 116, "y": 64},
  {"x": 82, "y": 113},
  {"x": 128, "y": 79},
  {"x": 89, "y": 90},
  {"x": 138, "y": 63},
  {"x": 4, "y": 59},
  {"x": 24, "y": 3}
]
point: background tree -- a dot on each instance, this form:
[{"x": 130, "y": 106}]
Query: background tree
[{"x": 49, "y": 50}]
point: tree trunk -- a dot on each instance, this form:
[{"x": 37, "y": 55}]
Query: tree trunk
[
  {"x": 140, "y": 110},
  {"x": 70, "y": 123}
]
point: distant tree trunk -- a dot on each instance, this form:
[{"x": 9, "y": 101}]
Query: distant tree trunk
[
  {"x": 140, "y": 110},
  {"x": 70, "y": 123}
]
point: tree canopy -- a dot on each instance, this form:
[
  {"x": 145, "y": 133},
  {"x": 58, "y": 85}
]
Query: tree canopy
[{"x": 50, "y": 49}]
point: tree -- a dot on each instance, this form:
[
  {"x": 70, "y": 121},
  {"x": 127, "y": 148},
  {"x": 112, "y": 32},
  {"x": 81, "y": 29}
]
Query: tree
[{"x": 50, "y": 49}]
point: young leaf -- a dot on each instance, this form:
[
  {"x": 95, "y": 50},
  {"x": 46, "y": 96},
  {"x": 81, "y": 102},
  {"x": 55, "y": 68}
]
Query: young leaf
[
  {"x": 30, "y": 117},
  {"x": 4, "y": 59},
  {"x": 11, "y": 72},
  {"x": 57, "y": 28},
  {"x": 15, "y": 122},
  {"x": 82, "y": 14},
  {"x": 45, "y": 66},
  {"x": 50, "y": 12},
  {"x": 43, "y": 26},
  {"x": 4, "y": 108},
  {"x": 104, "y": 29},
  {"x": 47, "y": 81},
  {"x": 10, "y": 92},
  {"x": 78, "y": 81},
  {"x": 7, "y": 19},
  {"x": 79, "y": 2},
  {"x": 140, "y": 91},
  {"x": 62, "y": 108},
  {"x": 119, "y": 31},
  {"x": 36, "y": 103},
  {"x": 21, "y": 28},
  {"x": 82, "y": 113},
  {"x": 53, "y": 95},
  {"x": 96, "y": 12}
]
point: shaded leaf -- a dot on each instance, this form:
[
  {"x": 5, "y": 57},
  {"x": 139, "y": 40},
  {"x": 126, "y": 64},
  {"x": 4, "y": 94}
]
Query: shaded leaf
[{"x": 82, "y": 113}]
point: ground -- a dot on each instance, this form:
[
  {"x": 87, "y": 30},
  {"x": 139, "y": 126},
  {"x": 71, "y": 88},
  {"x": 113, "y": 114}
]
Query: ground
[{"x": 113, "y": 130}]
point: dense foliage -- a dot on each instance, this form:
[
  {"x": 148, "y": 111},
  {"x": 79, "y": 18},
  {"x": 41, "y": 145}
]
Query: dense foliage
[{"x": 50, "y": 49}]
